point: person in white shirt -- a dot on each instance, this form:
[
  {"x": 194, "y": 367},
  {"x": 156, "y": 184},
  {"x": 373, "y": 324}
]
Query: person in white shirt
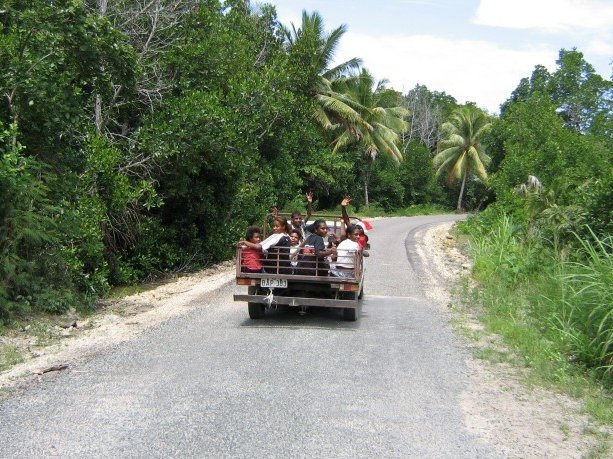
[
  {"x": 346, "y": 253},
  {"x": 276, "y": 248}
]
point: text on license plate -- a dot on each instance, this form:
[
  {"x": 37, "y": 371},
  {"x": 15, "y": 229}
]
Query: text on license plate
[{"x": 273, "y": 283}]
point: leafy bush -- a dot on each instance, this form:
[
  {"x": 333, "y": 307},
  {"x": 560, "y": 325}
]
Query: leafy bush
[
  {"x": 586, "y": 311},
  {"x": 28, "y": 228},
  {"x": 554, "y": 307}
]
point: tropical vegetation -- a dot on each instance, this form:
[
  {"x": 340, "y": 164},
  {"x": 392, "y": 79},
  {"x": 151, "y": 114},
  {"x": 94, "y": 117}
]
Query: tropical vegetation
[
  {"x": 137, "y": 142},
  {"x": 461, "y": 155}
]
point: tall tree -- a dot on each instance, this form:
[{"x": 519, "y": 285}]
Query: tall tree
[
  {"x": 583, "y": 99},
  {"x": 383, "y": 121},
  {"x": 461, "y": 155},
  {"x": 427, "y": 111},
  {"x": 313, "y": 48}
]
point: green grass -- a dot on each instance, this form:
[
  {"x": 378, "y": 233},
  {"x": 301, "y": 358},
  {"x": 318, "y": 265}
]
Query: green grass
[
  {"x": 376, "y": 211},
  {"x": 494, "y": 355},
  {"x": 553, "y": 310},
  {"x": 9, "y": 356},
  {"x": 602, "y": 450},
  {"x": 127, "y": 290}
]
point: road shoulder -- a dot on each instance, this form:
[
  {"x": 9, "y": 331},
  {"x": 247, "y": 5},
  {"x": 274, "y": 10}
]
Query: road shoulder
[
  {"x": 499, "y": 406},
  {"x": 69, "y": 340}
]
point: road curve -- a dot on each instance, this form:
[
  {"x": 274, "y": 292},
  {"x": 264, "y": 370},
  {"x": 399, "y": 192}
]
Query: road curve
[{"x": 213, "y": 383}]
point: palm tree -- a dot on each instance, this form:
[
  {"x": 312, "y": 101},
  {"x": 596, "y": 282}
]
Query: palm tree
[
  {"x": 460, "y": 153},
  {"x": 382, "y": 120},
  {"x": 333, "y": 107},
  {"x": 350, "y": 104}
]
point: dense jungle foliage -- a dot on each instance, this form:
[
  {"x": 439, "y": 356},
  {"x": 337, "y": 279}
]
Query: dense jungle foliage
[
  {"x": 543, "y": 247},
  {"x": 136, "y": 142}
]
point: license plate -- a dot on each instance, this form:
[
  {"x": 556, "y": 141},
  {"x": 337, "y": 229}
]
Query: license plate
[{"x": 273, "y": 283}]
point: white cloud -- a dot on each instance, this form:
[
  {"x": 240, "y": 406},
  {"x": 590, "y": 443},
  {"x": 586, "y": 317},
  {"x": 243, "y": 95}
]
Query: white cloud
[
  {"x": 546, "y": 14},
  {"x": 477, "y": 71},
  {"x": 601, "y": 47}
]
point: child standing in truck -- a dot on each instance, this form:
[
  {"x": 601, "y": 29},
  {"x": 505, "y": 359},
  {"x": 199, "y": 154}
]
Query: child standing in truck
[
  {"x": 251, "y": 253},
  {"x": 295, "y": 238}
]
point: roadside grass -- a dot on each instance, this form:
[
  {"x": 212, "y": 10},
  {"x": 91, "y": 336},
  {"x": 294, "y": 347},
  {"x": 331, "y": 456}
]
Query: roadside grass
[
  {"x": 128, "y": 290},
  {"x": 9, "y": 356},
  {"x": 374, "y": 210},
  {"x": 552, "y": 310},
  {"x": 21, "y": 337},
  {"x": 409, "y": 211}
]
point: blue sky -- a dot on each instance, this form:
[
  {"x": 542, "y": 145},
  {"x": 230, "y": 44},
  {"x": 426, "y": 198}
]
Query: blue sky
[{"x": 474, "y": 50}]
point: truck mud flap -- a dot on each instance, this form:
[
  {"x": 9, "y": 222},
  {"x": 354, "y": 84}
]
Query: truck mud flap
[{"x": 297, "y": 301}]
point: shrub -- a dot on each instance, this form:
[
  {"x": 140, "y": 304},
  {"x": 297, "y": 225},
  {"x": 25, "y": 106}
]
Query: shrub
[{"x": 586, "y": 312}]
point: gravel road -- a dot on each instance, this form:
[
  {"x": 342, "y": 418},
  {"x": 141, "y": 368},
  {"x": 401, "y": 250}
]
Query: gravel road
[{"x": 213, "y": 383}]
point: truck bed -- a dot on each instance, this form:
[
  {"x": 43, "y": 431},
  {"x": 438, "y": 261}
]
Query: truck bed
[{"x": 277, "y": 286}]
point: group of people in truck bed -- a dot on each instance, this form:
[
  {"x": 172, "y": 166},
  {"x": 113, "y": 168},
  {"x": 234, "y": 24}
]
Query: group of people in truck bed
[{"x": 294, "y": 247}]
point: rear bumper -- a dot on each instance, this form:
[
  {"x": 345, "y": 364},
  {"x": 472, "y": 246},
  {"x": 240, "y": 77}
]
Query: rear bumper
[{"x": 298, "y": 301}]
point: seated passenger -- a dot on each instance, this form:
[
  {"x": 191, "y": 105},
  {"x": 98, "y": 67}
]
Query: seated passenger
[
  {"x": 346, "y": 254},
  {"x": 251, "y": 253},
  {"x": 295, "y": 238},
  {"x": 362, "y": 237},
  {"x": 276, "y": 248},
  {"x": 312, "y": 260}
]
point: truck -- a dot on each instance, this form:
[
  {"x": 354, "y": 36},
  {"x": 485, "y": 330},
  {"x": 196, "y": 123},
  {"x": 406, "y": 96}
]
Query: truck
[{"x": 316, "y": 285}]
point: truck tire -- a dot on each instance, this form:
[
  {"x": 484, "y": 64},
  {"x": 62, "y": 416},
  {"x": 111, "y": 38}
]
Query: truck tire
[
  {"x": 256, "y": 310},
  {"x": 350, "y": 314}
]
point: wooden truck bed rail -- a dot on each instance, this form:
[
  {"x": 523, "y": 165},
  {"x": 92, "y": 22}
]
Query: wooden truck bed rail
[{"x": 278, "y": 266}]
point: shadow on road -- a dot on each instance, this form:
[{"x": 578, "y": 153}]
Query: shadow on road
[{"x": 315, "y": 317}]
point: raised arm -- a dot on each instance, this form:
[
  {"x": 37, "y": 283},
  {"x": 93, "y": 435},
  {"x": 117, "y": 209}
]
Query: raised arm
[
  {"x": 344, "y": 203},
  {"x": 309, "y": 197}
]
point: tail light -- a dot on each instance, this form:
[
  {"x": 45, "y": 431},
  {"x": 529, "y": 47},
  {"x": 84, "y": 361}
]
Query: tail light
[{"x": 350, "y": 287}]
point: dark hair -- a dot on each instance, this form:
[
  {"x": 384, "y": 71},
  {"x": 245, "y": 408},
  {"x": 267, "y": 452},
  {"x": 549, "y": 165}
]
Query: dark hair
[
  {"x": 283, "y": 221},
  {"x": 316, "y": 224},
  {"x": 351, "y": 228},
  {"x": 296, "y": 214},
  {"x": 252, "y": 231},
  {"x": 298, "y": 232}
]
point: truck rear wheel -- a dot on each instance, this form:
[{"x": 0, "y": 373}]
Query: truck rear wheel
[
  {"x": 350, "y": 314},
  {"x": 256, "y": 310}
]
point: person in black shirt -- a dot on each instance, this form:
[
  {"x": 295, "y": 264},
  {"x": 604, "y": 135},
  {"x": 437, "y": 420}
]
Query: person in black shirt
[{"x": 312, "y": 260}]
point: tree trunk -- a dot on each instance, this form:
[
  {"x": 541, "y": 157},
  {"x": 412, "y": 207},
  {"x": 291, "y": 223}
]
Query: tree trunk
[
  {"x": 366, "y": 172},
  {"x": 98, "y": 111},
  {"x": 102, "y": 5},
  {"x": 459, "y": 209},
  {"x": 15, "y": 117}
]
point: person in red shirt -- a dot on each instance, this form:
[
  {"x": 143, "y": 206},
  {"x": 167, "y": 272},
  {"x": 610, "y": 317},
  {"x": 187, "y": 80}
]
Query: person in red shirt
[
  {"x": 251, "y": 254},
  {"x": 362, "y": 237}
]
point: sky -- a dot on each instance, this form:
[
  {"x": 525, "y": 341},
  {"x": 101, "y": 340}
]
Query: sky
[{"x": 474, "y": 50}]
